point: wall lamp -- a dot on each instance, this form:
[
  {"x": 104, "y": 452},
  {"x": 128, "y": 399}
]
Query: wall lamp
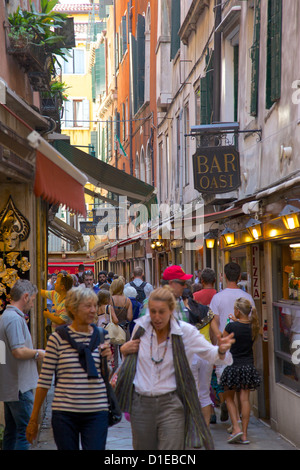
[
  {"x": 289, "y": 215},
  {"x": 228, "y": 236},
  {"x": 157, "y": 245},
  {"x": 254, "y": 228},
  {"x": 210, "y": 238}
]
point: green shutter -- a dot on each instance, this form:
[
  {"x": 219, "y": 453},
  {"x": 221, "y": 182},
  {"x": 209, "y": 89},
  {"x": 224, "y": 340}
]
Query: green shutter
[
  {"x": 93, "y": 147},
  {"x": 141, "y": 60},
  {"x": 206, "y": 91},
  {"x": 175, "y": 26},
  {"x": 255, "y": 60},
  {"x": 273, "y": 85}
]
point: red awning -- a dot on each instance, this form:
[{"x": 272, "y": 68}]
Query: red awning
[
  {"x": 71, "y": 267},
  {"x": 56, "y": 186}
]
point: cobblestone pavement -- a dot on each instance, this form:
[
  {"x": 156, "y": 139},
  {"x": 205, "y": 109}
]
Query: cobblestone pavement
[{"x": 261, "y": 436}]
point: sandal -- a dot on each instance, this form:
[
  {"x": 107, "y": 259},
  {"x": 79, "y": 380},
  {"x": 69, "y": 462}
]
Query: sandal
[{"x": 235, "y": 437}]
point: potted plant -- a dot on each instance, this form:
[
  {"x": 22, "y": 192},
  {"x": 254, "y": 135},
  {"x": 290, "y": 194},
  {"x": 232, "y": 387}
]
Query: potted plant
[{"x": 52, "y": 100}]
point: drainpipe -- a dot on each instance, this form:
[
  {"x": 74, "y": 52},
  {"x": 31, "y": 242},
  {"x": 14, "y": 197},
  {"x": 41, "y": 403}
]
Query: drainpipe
[{"x": 217, "y": 63}]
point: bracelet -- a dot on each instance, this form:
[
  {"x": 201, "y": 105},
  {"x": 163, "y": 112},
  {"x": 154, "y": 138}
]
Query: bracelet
[
  {"x": 36, "y": 355},
  {"x": 221, "y": 353}
]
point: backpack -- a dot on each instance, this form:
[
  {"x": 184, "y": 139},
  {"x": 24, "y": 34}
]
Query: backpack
[{"x": 140, "y": 291}]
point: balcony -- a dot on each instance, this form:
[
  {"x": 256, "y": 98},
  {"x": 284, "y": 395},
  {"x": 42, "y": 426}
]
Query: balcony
[{"x": 31, "y": 57}]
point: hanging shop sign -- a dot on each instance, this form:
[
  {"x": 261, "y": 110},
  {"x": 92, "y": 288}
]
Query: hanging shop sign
[
  {"x": 88, "y": 228},
  {"x": 216, "y": 169}
]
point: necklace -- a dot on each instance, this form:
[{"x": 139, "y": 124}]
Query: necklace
[{"x": 159, "y": 361}]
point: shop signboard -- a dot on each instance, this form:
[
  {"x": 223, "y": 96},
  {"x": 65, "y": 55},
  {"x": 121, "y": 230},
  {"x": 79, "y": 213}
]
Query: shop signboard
[
  {"x": 255, "y": 272},
  {"x": 216, "y": 169},
  {"x": 88, "y": 228}
]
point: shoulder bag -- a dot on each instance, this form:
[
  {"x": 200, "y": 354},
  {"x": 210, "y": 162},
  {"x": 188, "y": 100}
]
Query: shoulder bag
[
  {"x": 114, "y": 410},
  {"x": 116, "y": 334}
]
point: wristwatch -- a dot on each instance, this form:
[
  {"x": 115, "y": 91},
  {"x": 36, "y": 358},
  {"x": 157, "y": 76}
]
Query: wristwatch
[{"x": 36, "y": 355}]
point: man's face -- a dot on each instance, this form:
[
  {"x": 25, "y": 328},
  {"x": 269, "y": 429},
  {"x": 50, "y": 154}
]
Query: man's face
[
  {"x": 102, "y": 278},
  {"x": 177, "y": 286},
  {"x": 88, "y": 281},
  {"x": 28, "y": 302}
]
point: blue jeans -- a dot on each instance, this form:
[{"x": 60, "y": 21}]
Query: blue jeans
[
  {"x": 90, "y": 428},
  {"x": 17, "y": 415}
]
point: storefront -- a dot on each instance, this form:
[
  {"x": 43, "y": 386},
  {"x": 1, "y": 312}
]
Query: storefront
[{"x": 266, "y": 244}]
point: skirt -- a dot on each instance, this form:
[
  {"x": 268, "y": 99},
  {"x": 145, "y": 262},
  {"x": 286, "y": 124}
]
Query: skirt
[{"x": 243, "y": 377}]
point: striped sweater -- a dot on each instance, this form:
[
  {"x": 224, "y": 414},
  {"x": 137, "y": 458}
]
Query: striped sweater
[{"x": 73, "y": 391}]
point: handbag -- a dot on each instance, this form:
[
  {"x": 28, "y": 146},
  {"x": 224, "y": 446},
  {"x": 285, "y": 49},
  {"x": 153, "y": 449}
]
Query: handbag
[
  {"x": 116, "y": 334},
  {"x": 114, "y": 410}
]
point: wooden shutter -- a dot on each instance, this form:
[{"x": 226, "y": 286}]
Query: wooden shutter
[
  {"x": 175, "y": 26},
  {"x": 255, "y": 60},
  {"x": 273, "y": 85},
  {"x": 141, "y": 60},
  {"x": 124, "y": 33},
  {"x": 206, "y": 90}
]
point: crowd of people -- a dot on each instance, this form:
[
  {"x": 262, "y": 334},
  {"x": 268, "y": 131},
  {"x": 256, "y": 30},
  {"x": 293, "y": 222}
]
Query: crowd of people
[{"x": 188, "y": 349}]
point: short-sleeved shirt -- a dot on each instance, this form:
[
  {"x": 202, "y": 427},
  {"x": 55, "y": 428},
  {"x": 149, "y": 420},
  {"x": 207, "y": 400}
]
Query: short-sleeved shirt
[
  {"x": 204, "y": 296},
  {"x": 241, "y": 350},
  {"x": 222, "y": 304},
  {"x": 16, "y": 375},
  {"x": 58, "y": 307}
]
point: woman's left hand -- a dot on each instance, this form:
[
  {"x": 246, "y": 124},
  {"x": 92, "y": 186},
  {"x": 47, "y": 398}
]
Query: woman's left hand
[
  {"x": 105, "y": 350},
  {"x": 225, "y": 343}
]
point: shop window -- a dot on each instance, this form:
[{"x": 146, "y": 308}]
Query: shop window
[{"x": 287, "y": 315}]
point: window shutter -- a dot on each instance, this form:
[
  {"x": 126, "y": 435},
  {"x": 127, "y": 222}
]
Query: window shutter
[
  {"x": 67, "y": 65},
  {"x": 273, "y": 85},
  {"x": 79, "y": 61},
  {"x": 117, "y": 52},
  {"x": 68, "y": 114},
  {"x": 124, "y": 34},
  {"x": 255, "y": 61},
  {"x": 175, "y": 26},
  {"x": 206, "y": 90},
  {"x": 94, "y": 143},
  {"x": 141, "y": 60}
]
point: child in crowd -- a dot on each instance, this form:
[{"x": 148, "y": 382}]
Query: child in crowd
[{"x": 241, "y": 376}]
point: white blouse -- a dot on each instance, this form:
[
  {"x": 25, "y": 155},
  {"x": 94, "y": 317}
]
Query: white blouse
[{"x": 157, "y": 379}]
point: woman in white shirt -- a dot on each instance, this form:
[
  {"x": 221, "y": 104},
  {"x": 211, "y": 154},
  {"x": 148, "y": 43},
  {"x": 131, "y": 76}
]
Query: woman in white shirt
[{"x": 164, "y": 405}]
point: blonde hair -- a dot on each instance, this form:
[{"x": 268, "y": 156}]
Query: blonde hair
[
  {"x": 117, "y": 286},
  {"x": 75, "y": 296},
  {"x": 163, "y": 294},
  {"x": 246, "y": 308}
]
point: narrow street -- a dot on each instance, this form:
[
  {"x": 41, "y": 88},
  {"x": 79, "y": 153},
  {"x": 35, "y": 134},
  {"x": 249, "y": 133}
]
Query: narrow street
[{"x": 261, "y": 436}]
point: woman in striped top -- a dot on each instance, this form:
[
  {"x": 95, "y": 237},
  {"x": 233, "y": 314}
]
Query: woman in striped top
[{"x": 80, "y": 407}]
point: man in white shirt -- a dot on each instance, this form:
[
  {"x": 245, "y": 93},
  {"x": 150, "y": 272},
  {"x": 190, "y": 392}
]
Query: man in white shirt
[
  {"x": 222, "y": 305},
  {"x": 138, "y": 282}
]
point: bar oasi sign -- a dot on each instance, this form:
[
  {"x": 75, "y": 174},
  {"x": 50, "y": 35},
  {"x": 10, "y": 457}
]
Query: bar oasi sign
[{"x": 216, "y": 169}]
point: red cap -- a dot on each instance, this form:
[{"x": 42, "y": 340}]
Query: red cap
[{"x": 175, "y": 272}]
